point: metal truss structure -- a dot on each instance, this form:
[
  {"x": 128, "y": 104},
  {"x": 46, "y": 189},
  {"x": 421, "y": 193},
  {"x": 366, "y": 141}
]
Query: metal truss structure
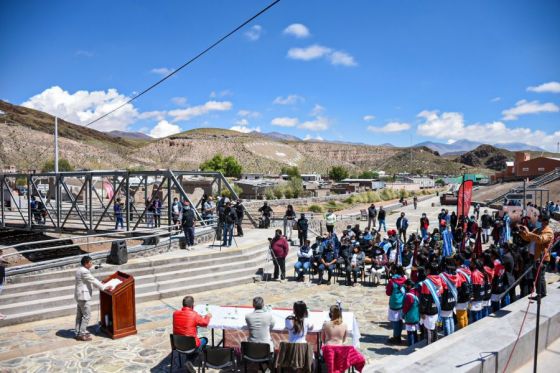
[{"x": 83, "y": 201}]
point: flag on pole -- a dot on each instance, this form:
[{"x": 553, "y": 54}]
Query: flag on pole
[{"x": 464, "y": 197}]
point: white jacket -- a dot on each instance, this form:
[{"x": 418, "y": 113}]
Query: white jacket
[{"x": 84, "y": 284}]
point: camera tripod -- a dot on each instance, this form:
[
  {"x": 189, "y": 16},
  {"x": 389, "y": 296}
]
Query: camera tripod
[{"x": 221, "y": 241}]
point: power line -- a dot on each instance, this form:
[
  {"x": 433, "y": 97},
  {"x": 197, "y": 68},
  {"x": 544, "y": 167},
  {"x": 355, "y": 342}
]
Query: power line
[{"x": 186, "y": 63}]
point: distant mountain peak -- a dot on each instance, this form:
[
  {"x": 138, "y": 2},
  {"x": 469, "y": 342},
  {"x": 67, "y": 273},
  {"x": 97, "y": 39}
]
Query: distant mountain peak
[
  {"x": 130, "y": 135},
  {"x": 462, "y": 146}
]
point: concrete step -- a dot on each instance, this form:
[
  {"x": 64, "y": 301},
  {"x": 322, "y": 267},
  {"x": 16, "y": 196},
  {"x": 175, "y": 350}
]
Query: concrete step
[
  {"x": 157, "y": 275},
  {"x": 69, "y": 308},
  {"x": 63, "y": 278},
  {"x": 39, "y": 302}
]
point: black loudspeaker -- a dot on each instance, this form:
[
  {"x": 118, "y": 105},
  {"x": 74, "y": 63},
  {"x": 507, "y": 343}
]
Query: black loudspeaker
[{"x": 119, "y": 253}]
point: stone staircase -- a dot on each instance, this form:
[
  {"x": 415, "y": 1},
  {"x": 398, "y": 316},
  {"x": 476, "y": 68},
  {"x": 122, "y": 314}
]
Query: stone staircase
[{"x": 47, "y": 295}]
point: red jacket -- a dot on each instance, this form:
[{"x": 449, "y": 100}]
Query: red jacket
[
  {"x": 280, "y": 247},
  {"x": 489, "y": 273},
  {"x": 186, "y": 320},
  {"x": 389, "y": 287},
  {"x": 477, "y": 277},
  {"x": 456, "y": 279},
  {"x": 437, "y": 281}
]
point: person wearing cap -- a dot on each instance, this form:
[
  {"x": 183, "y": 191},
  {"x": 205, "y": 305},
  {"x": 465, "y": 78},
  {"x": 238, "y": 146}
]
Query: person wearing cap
[{"x": 542, "y": 238}]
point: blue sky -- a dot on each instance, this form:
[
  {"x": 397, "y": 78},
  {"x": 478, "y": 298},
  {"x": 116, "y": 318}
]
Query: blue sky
[{"x": 365, "y": 71}]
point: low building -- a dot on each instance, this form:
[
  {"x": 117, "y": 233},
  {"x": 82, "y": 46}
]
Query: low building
[
  {"x": 255, "y": 189},
  {"x": 523, "y": 167},
  {"x": 313, "y": 189},
  {"x": 367, "y": 184},
  {"x": 251, "y": 176},
  {"x": 423, "y": 182},
  {"x": 411, "y": 187},
  {"x": 345, "y": 188}
]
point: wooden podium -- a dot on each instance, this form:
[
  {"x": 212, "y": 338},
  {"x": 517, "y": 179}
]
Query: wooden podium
[{"x": 118, "y": 307}]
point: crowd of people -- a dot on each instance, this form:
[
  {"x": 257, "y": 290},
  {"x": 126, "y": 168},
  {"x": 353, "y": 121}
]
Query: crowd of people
[{"x": 440, "y": 279}]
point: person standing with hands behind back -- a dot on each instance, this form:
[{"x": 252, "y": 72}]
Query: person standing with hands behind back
[
  {"x": 82, "y": 294},
  {"x": 280, "y": 249}
]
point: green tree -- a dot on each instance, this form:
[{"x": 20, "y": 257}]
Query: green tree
[
  {"x": 296, "y": 186},
  {"x": 440, "y": 182},
  {"x": 229, "y": 166},
  {"x": 338, "y": 173},
  {"x": 291, "y": 172},
  {"x": 63, "y": 165},
  {"x": 368, "y": 175}
]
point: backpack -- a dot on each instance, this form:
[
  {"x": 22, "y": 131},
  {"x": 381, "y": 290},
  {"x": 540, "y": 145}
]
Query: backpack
[
  {"x": 449, "y": 296},
  {"x": 396, "y": 300},
  {"x": 466, "y": 289}
]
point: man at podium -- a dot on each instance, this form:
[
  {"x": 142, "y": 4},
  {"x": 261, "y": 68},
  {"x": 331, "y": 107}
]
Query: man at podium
[{"x": 82, "y": 294}]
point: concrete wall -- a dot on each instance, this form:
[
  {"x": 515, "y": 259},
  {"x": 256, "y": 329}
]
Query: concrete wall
[{"x": 486, "y": 345}]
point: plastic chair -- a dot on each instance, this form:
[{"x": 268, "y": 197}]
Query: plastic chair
[
  {"x": 183, "y": 345},
  {"x": 259, "y": 353},
  {"x": 219, "y": 358}
]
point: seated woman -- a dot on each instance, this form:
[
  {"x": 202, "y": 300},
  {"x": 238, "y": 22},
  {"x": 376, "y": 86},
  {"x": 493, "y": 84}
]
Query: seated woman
[
  {"x": 297, "y": 324},
  {"x": 378, "y": 263},
  {"x": 334, "y": 331},
  {"x": 356, "y": 264}
]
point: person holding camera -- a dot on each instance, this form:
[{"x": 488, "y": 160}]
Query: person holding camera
[
  {"x": 280, "y": 248},
  {"x": 540, "y": 241}
]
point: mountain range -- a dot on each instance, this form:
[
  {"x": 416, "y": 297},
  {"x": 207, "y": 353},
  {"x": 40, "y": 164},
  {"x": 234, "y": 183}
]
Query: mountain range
[{"x": 462, "y": 146}]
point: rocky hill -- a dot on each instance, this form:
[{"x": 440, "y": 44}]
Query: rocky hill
[
  {"x": 26, "y": 141},
  {"x": 486, "y": 156}
]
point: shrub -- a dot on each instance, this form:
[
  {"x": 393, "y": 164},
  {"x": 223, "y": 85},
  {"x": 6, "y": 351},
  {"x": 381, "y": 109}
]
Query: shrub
[
  {"x": 316, "y": 208},
  {"x": 269, "y": 194},
  {"x": 229, "y": 166},
  {"x": 278, "y": 192}
]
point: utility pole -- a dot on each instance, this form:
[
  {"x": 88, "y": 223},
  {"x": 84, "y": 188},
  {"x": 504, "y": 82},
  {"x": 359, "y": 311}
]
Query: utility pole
[{"x": 56, "y": 145}]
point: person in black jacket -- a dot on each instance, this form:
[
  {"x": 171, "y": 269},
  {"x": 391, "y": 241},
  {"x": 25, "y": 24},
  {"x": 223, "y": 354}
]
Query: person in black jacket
[
  {"x": 230, "y": 218},
  {"x": 372, "y": 215},
  {"x": 303, "y": 226},
  {"x": 188, "y": 222},
  {"x": 381, "y": 219},
  {"x": 239, "y": 212},
  {"x": 486, "y": 223},
  {"x": 2, "y": 276}
]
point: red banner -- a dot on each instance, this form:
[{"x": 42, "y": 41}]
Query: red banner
[{"x": 464, "y": 197}]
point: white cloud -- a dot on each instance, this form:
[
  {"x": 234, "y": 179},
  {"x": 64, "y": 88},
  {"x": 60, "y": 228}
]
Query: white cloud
[
  {"x": 288, "y": 100},
  {"x": 318, "y": 124},
  {"x": 550, "y": 87},
  {"x": 390, "y": 127},
  {"x": 317, "y": 110},
  {"x": 156, "y": 114},
  {"x": 311, "y": 138},
  {"x": 194, "y": 111},
  {"x": 83, "y": 106},
  {"x": 179, "y": 101},
  {"x": 310, "y": 53},
  {"x": 248, "y": 113},
  {"x": 254, "y": 33},
  {"x": 368, "y": 118},
  {"x": 316, "y": 51},
  {"x": 284, "y": 122},
  {"x": 449, "y": 125},
  {"x": 298, "y": 30},
  {"x": 496, "y": 99},
  {"x": 245, "y": 129},
  {"x": 524, "y": 107},
  {"x": 163, "y": 71},
  {"x": 164, "y": 129},
  {"x": 342, "y": 58},
  {"x": 242, "y": 122}
]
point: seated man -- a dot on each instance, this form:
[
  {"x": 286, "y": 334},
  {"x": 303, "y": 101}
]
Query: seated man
[
  {"x": 260, "y": 323},
  {"x": 186, "y": 320},
  {"x": 327, "y": 262},
  {"x": 303, "y": 263}
]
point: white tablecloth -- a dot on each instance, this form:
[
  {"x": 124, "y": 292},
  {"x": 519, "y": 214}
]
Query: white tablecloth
[{"x": 234, "y": 318}]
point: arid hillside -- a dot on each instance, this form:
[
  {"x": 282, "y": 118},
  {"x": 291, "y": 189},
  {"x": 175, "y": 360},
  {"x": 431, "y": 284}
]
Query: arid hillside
[{"x": 26, "y": 142}]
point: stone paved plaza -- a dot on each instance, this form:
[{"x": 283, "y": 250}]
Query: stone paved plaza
[{"x": 48, "y": 346}]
